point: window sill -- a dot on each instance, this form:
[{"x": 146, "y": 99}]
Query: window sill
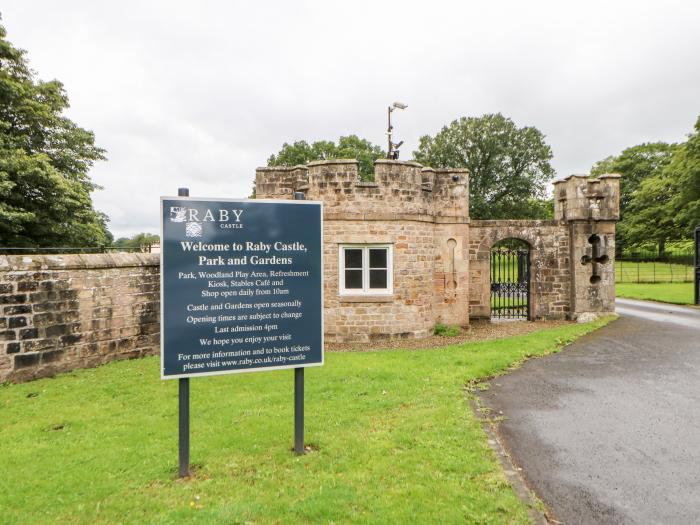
[{"x": 384, "y": 298}]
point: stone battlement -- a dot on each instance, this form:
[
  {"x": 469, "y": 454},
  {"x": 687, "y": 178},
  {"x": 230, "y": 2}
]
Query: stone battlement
[
  {"x": 406, "y": 187},
  {"x": 580, "y": 197}
]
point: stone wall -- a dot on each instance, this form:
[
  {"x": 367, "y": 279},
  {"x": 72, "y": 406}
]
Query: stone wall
[
  {"x": 441, "y": 258},
  {"x": 62, "y": 312}
]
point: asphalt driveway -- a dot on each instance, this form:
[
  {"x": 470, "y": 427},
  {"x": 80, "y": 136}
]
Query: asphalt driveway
[{"x": 608, "y": 430}]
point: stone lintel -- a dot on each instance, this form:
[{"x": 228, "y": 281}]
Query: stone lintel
[{"x": 366, "y": 298}]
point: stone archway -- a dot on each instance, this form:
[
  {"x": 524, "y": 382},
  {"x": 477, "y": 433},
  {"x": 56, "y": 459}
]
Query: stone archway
[{"x": 550, "y": 272}]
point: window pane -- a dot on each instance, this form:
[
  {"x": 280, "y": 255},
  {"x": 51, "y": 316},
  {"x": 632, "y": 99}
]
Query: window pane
[
  {"x": 353, "y": 258},
  {"x": 377, "y": 257},
  {"x": 353, "y": 279},
  {"x": 377, "y": 279}
]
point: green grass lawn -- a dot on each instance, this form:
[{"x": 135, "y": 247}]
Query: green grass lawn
[
  {"x": 396, "y": 442},
  {"x": 677, "y": 293}
]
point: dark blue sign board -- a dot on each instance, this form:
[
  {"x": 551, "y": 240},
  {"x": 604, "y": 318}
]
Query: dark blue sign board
[{"x": 241, "y": 286}]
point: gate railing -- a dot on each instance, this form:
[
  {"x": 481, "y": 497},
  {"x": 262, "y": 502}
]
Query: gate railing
[{"x": 510, "y": 283}]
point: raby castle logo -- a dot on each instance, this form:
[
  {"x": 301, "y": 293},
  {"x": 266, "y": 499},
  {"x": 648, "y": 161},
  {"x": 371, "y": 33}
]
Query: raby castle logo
[{"x": 194, "y": 219}]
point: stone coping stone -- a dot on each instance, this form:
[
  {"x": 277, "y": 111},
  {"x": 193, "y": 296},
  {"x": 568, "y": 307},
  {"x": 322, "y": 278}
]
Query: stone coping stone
[
  {"x": 452, "y": 170},
  {"x": 399, "y": 162},
  {"x": 281, "y": 168},
  {"x": 32, "y": 262},
  {"x": 583, "y": 176},
  {"x": 332, "y": 161}
]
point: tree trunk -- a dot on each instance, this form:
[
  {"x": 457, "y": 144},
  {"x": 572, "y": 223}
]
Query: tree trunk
[{"x": 662, "y": 247}]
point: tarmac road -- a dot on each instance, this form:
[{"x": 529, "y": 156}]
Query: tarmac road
[{"x": 608, "y": 430}]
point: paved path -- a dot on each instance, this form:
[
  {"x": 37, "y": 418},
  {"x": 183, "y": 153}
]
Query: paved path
[{"x": 608, "y": 430}]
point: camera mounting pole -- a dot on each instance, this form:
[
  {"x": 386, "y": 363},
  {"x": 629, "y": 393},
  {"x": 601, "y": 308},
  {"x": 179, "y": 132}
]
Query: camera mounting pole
[{"x": 393, "y": 151}]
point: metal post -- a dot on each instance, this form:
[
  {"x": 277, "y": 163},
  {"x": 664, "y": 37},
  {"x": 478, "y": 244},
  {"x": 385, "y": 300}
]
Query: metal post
[
  {"x": 299, "y": 390},
  {"x": 184, "y": 406},
  {"x": 697, "y": 265},
  {"x": 184, "y": 426},
  {"x": 298, "y": 411},
  {"x": 388, "y": 132}
]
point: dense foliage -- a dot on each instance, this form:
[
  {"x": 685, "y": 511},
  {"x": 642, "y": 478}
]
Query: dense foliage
[
  {"x": 137, "y": 241},
  {"x": 509, "y": 166},
  {"x": 44, "y": 162},
  {"x": 350, "y": 147},
  {"x": 660, "y": 191}
]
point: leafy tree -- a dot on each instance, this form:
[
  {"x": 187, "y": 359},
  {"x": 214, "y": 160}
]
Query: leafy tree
[
  {"x": 635, "y": 164},
  {"x": 44, "y": 162},
  {"x": 350, "y": 147},
  {"x": 649, "y": 215},
  {"x": 137, "y": 241},
  {"x": 509, "y": 166},
  {"x": 685, "y": 168},
  {"x": 662, "y": 191}
]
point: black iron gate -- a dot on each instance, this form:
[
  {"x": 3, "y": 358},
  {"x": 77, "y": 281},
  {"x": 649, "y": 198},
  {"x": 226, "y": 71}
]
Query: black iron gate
[{"x": 510, "y": 283}]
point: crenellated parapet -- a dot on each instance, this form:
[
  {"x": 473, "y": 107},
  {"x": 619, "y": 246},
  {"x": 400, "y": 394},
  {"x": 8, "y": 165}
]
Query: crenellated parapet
[
  {"x": 279, "y": 182},
  {"x": 583, "y": 198},
  {"x": 399, "y": 188},
  {"x": 451, "y": 192}
]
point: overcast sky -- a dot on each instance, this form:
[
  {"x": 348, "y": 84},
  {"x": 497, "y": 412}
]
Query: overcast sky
[{"x": 200, "y": 93}]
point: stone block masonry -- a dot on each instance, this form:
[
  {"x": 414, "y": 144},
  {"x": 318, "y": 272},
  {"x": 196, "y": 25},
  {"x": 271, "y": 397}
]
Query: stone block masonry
[{"x": 61, "y": 312}]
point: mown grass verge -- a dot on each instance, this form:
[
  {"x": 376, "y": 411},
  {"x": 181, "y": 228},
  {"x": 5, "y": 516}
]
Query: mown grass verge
[
  {"x": 676, "y": 293},
  {"x": 394, "y": 440}
]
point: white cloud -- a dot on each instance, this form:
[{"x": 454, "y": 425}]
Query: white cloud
[{"x": 200, "y": 93}]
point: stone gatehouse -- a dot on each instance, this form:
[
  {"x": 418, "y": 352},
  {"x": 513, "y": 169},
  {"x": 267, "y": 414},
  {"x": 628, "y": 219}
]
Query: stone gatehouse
[{"x": 401, "y": 253}]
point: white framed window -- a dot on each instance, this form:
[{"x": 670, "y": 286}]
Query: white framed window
[{"x": 366, "y": 269}]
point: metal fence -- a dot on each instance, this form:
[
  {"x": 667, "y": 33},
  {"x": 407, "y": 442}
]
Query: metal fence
[{"x": 649, "y": 267}]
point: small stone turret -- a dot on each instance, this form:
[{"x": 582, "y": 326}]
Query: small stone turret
[
  {"x": 419, "y": 215},
  {"x": 580, "y": 197}
]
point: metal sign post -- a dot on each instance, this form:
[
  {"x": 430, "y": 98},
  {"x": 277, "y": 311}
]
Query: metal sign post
[
  {"x": 299, "y": 390},
  {"x": 183, "y": 395},
  {"x": 241, "y": 291}
]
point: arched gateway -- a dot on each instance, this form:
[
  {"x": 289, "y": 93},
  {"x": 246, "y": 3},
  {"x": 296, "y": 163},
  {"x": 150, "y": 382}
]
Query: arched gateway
[{"x": 510, "y": 280}]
